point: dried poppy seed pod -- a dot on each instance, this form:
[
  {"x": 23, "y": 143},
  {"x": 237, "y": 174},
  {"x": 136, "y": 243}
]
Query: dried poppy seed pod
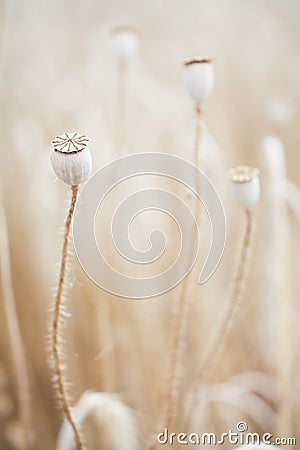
[
  {"x": 126, "y": 42},
  {"x": 70, "y": 158},
  {"x": 246, "y": 187},
  {"x": 198, "y": 77}
]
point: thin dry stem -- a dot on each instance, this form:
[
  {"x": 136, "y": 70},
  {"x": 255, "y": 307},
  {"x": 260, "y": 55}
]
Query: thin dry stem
[
  {"x": 183, "y": 309},
  {"x": 227, "y": 319},
  {"x": 18, "y": 354},
  {"x": 56, "y": 333}
]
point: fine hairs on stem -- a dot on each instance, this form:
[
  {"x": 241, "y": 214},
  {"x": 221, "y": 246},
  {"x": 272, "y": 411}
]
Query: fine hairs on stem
[
  {"x": 233, "y": 305},
  {"x": 246, "y": 190},
  {"x": 18, "y": 354},
  {"x": 182, "y": 313},
  {"x": 71, "y": 161},
  {"x": 57, "y": 322},
  {"x": 179, "y": 328}
]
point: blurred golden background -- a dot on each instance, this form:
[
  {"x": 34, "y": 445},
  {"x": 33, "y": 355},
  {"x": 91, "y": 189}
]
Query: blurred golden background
[{"x": 59, "y": 72}]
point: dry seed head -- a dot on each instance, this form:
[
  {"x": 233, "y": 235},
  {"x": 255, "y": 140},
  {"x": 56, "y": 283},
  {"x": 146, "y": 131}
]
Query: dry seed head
[
  {"x": 70, "y": 142},
  {"x": 126, "y": 42},
  {"x": 197, "y": 60},
  {"x": 198, "y": 77},
  {"x": 243, "y": 174},
  {"x": 71, "y": 158},
  {"x": 246, "y": 187}
]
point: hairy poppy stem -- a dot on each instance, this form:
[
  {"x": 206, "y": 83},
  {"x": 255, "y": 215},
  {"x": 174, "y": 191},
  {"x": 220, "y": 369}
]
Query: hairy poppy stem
[{"x": 56, "y": 323}]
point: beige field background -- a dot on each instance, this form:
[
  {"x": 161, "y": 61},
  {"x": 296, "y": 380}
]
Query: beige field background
[{"x": 59, "y": 73}]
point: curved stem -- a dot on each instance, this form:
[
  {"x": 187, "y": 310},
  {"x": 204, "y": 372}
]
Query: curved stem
[
  {"x": 56, "y": 323},
  {"x": 183, "y": 309},
  {"x": 18, "y": 353},
  {"x": 227, "y": 319}
]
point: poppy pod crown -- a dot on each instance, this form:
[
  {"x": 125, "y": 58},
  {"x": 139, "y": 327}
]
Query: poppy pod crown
[
  {"x": 198, "y": 77},
  {"x": 246, "y": 186},
  {"x": 70, "y": 158}
]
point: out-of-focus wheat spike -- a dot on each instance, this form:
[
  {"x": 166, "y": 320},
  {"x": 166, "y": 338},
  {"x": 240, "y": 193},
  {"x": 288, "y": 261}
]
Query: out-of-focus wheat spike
[
  {"x": 17, "y": 347},
  {"x": 115, "y": 425}
]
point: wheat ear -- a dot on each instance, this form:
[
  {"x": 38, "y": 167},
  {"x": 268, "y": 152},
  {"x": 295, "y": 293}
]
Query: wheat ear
[
  {"x": 179, "y": 330},
  {"x": 56, "y": 326},
  {"x": 18, "y": 354}
]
